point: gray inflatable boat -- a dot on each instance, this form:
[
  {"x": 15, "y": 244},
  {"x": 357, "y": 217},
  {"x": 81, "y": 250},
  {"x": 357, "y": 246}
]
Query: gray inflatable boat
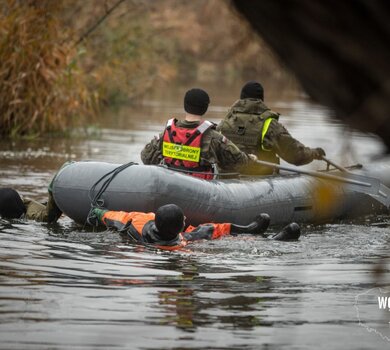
[{"x": 285, "y": 198}]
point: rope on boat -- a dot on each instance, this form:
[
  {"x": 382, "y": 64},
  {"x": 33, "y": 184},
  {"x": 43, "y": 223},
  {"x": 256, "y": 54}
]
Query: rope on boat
[{"x": 96, "y": 200}]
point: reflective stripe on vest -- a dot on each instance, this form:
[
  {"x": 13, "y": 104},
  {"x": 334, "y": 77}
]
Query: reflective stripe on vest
[
  {"x": 182, "y": 152},
  {"x": 204, "y": 126},
  {"x": 264, "y": 131},
  {"x": 170, "y": 122}
]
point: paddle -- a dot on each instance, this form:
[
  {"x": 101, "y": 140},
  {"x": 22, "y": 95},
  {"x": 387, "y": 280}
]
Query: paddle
[
  {"x": 358, "y": 183},
  {"x": 335, "y": 165},
  {"x": 383, "y": 190}
]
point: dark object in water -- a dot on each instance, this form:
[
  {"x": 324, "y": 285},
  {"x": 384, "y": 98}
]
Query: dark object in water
[
  {"x": 291, "y": 232},
  {"x": 354, "y": 58}
]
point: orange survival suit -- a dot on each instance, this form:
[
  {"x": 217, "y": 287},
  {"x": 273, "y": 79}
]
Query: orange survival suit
[{"x": 141, "y": 228}]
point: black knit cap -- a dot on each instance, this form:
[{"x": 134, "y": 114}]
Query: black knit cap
[
  {"x": 169, "y": 221},
  {"x": 252, "y": 89},
  {"x": 196, "y": 101},
  {"x": 11, "y": 205}
]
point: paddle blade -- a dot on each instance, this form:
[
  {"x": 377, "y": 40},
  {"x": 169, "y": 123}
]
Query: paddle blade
[{"x": 370, "y": 186}]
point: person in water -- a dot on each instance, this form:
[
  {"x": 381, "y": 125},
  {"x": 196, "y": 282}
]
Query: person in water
[
  {"x": 192, "y": 145},
  {"x": 166, "y": 228},
  {"x": 13, "y": 206},
  {"x": 254, "y": 128}
]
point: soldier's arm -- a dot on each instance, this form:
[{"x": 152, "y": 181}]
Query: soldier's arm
[
  {"x": 151, "y": 154},
  {"x": 35, "y": 210},
  {"x": 288, "y": 148}
]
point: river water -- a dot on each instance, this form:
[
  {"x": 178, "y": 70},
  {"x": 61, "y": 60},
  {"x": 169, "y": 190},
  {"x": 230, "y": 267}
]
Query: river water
[{"x": 62, "y": 287}]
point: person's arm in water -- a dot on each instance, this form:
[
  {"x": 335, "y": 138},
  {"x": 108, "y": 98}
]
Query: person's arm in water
[
  {"x": 118, "y": 220},
  {"x": 41, "y": 212},
  {"x": 288, "y": 148},
  {"x": 151, "y": 153},
  {"x": 214, "y": 231},
  {"x": 290, "y": 232},
  {"x": 35, "y": 210},
  {"x": 206, "y": 231}
]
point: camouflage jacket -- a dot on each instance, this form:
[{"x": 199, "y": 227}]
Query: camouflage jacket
[
  {"x": 254, "y": 128},
  {"x": 215, "y": 149},
  {"x": 42, "y": 212},
  {"x": 35, "y": 210}
]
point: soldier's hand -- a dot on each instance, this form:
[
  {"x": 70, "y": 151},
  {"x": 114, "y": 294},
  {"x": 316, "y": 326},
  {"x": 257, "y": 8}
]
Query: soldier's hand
[
  {"x": 318, "y": 153},
  {"x": 253, "y": 157}
]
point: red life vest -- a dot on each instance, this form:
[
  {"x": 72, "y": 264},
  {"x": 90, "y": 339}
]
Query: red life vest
[{"x": 190, "y": 141}]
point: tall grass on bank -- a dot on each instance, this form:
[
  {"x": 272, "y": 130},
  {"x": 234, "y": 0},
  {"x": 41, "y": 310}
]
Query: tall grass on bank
[
  {"x": 47, "y": 85},
  {"x": 41, "y": 89}
]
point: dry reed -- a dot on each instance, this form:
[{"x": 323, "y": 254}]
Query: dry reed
[{"x": 41, "y": 89}]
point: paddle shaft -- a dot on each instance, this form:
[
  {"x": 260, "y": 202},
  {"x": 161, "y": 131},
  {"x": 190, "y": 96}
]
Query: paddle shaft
[
  {"x": 364, "y": 184},
  {"x": 314, "y": 174},
  {"x": 335, "y": 165}
]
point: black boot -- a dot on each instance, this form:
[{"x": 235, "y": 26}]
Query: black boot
[
  {"x": 256, "y": 227},
  {"x": 291, "y": 232}
]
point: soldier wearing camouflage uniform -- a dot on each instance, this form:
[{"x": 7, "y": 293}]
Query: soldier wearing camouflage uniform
[
  {"x": 254, "y": 128},
  {"x": 13, "y": 206},
  {"x": 206, "y": 148}
]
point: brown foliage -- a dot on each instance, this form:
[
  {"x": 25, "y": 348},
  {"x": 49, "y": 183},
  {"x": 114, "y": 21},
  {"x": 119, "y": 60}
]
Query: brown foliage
[
  {"x": 211, "y": 36},
  {"x": 60, "y": 56},
  {"x": 40, "y": 88}
]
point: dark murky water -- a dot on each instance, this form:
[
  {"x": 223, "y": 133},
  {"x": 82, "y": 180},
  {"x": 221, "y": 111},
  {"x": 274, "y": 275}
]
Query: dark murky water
[{"x": 62, "y": 287}]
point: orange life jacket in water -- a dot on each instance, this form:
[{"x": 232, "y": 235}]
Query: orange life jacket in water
[
  {"x": 181, "y": 149},
  {"x": 141, "y": 228}
]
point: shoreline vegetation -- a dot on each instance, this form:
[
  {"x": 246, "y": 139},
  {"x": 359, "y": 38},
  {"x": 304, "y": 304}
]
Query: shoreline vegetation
[{"x": 62, "y": 61}]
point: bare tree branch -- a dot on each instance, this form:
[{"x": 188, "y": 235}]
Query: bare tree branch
[{"x": 99, "y": 21}]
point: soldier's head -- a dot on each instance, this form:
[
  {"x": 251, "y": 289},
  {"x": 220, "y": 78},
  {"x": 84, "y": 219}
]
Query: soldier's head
[
  {"x": 11, "y": 205},
  {"x": 196, "y": 101},
  {"x": 252, "y": 89},
  {"x": 169, "y": 221}
]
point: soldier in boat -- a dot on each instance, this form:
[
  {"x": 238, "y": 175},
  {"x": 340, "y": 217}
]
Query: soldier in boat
[
  {"x": 193, "y": 145},
  {"x": 256, "y": 129}
]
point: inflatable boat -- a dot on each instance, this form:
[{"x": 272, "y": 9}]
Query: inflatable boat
[{"x": 285, "y": 198}]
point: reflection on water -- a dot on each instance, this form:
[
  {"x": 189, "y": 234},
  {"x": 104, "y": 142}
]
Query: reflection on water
[{"x": 63, "y": 287}]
